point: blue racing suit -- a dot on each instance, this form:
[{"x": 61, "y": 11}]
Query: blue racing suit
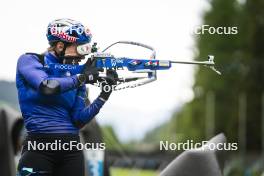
[{"x": 64, "y": 112}]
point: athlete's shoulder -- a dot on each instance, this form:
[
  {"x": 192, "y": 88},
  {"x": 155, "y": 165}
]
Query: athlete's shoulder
[
  {"x": 26, "y": 60},
  {"x": 27, "y": 56}
]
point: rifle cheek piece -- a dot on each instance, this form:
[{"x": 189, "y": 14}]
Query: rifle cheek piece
[{"x": 49, "y": 87}]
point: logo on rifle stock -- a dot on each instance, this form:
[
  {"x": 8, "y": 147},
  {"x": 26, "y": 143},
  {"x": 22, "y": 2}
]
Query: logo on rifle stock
[{"x": 116, "y": 62}]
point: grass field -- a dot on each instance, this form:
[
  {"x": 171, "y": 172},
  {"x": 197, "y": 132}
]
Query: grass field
[{"x": 132, "y": 172}]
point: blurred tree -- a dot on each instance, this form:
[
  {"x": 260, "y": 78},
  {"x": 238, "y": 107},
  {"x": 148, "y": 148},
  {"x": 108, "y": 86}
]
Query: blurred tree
[
  {"x": 110, "y": 138},
  {"x": 255, "y": 78},
  {"x": 240, "y": 57},
  {"x": 228, "y": 50}
]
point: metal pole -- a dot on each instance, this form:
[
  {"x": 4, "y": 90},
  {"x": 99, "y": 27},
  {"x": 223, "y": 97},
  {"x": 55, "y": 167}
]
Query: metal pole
[{"x": 210, "y": 114}]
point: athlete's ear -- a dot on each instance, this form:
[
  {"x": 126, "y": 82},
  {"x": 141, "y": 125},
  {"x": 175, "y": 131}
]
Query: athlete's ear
[{"x": 59, "y": 47}]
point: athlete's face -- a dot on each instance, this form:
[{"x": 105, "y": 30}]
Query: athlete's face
[
  {"x": 71, "y": 55},
  {"x": 71, "y": 50}
]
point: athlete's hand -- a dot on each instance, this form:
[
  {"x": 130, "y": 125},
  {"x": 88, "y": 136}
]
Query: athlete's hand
[
  {"x": 91, "y": 75},
  {"x": 108, "y": 84}
]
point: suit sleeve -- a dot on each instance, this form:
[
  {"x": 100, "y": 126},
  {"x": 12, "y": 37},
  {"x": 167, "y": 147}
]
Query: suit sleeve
[
  {"x": 32, "y": 71},
  {"x": 82, "y": 114}
]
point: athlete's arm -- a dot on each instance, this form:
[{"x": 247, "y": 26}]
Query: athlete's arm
[
  {"x": 32, "y": 71},
  {"x": 82, "y": 114}
]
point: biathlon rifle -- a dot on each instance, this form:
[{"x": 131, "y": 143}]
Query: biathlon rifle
[{"x": 106, "y": 61}]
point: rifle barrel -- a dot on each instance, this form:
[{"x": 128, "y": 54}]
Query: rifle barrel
[{"x": 208, "y": 63}]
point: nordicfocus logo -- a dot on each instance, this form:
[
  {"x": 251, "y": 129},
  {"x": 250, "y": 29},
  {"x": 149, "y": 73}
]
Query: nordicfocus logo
[
  {"x": 65, "y": 32},
  {"x": 64, "y": 67},
  {"x": 204, "y": 145},
  {"x": 59, "y": 145},
  {"x": 220, "y": 30}
]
